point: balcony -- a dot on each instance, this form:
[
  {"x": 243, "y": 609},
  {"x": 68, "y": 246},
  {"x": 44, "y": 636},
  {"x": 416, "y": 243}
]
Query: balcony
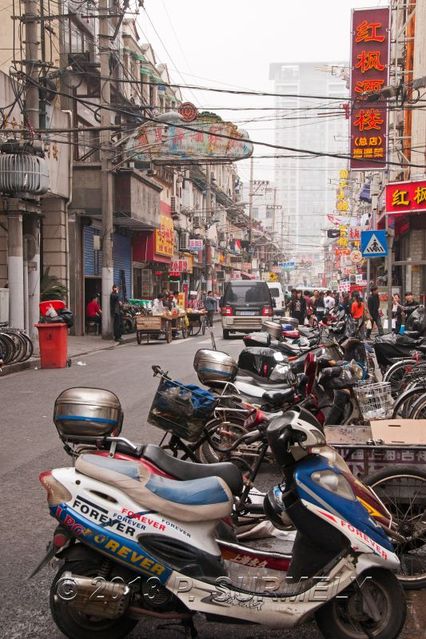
[{"x": 136, "y": 198}]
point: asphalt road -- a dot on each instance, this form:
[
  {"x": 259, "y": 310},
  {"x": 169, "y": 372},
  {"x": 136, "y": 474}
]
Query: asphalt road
[{"x": 30, "y": 445}]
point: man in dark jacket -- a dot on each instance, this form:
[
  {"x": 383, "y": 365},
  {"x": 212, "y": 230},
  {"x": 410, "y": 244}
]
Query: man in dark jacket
[
  {"x": 373, "y": 303},
  {"x": 404, "y": 311},
  {"x": 115, "y": 307}
]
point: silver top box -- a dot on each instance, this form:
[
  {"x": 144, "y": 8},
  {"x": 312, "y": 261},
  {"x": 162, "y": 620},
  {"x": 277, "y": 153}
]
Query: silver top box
[
  {"x": 86, "y": 413},
  {"x": 214, "y": 366}
]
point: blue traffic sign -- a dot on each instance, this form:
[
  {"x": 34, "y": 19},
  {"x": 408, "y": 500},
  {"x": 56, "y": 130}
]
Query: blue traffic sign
[
  {"x": 288, "y": 266},
  {"x": 374, "y": 244}
]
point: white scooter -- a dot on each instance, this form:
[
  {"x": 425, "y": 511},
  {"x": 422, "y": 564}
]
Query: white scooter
[{"x": 134, "y": 544}]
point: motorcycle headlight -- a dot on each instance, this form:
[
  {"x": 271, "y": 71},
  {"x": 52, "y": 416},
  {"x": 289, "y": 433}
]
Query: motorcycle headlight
[
  {"x": 279, "y": 373},
  {"x": 278, "y": 357},
  {"x": 334, "y": 483}
]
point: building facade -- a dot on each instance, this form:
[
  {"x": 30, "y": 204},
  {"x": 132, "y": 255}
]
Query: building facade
[{"x": 306, "y": 182}]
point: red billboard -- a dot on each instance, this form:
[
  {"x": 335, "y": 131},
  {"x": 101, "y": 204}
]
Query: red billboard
[
  {"x": 369, "y": 73},
  {"x": 406, "y": 197}
]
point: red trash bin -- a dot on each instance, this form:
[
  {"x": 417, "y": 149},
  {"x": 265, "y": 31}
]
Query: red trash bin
[{"x": 53, "y": 341}]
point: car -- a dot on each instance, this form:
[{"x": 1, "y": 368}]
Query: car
[
  {"x": 278, "y": 299},
  {"x": 245, "y": 305}
]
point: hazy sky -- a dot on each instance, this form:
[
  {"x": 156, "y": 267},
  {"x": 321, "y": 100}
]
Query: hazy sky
[{"x": 230, "y": 44}]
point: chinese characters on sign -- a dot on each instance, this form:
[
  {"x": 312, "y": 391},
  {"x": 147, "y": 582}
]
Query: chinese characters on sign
[
  {"x": 196, "y": 245},
  {"x": 164, "y": 237},
  {"x": 181, "y": 266},
  {"x": 405, "y": 197},
  {"x": 204, "y": 138},
  {"x": 369, "y": 73}
]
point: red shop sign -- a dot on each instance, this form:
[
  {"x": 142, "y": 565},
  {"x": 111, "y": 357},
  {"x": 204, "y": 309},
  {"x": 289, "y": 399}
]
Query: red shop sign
[
  {"x": 369, "y": 73},
  {"x": 406, "y": 197}
]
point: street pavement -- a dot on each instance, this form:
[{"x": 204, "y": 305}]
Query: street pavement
[{"x": 30, "y": 445}]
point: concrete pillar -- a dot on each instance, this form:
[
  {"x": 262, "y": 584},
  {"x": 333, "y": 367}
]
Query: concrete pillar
[
  {"x": 34, "y": 279},
  {"x": 15, "y": 264}
]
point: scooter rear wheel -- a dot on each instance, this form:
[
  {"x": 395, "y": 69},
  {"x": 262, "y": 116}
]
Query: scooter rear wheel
[
  {"x": 348, "y": 617},
  {"x": 77, "y": 625}
]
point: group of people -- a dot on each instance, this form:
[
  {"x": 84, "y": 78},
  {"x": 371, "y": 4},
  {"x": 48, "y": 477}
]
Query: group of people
[
  {"x": 365, "y": 314},
  {"x": 369, "y": 314},
  {"x": 94, "y": 312},
  {"x": 165, "y": 301},
  {"x": 302, "y": 305}
]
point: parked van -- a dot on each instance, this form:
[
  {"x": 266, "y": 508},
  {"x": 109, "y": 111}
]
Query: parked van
[
  {"x": 277, "y": 295},
  {"x": 245, "y": 304}
]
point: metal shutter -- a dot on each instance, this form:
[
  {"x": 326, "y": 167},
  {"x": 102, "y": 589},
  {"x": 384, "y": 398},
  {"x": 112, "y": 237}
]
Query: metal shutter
[{"x": 122, "y": 256}]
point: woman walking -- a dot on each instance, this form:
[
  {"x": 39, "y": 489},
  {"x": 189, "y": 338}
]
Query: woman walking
[{"x": 357, "y": 314}]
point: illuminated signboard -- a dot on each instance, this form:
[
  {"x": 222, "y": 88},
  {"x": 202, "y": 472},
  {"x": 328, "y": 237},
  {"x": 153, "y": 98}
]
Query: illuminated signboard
[
  {"x": 369, "y": 73},
  {"x": 406, "y": 197}
]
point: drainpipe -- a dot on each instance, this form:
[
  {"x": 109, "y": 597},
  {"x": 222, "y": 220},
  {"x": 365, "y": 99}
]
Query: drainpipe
[{"x": 68, "y": 201}]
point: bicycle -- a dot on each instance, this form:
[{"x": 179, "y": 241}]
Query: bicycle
[
  {"x": 15, "y": 345},
  {"x": 403, "y": 492},
  {"x": 197, "y": 324}
]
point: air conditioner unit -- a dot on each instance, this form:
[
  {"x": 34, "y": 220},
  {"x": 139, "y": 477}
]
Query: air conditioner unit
[
  {"x": 196, "y": 222},
  {"x": 184, "y": 241},
  {"x": 174, "y": 204}
]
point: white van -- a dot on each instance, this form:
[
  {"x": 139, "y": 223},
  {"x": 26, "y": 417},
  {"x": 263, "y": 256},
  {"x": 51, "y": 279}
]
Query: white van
[{"x": 277, "y": 295}]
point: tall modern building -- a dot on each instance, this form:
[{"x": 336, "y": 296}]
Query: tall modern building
[{"x": 307, "y": 183}]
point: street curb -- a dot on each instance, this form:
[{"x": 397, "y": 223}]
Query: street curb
[{"x": 34, "y": 362}]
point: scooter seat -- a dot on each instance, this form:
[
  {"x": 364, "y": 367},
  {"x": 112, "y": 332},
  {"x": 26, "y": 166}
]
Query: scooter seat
[
  {"x": 204, "y": 499},
  {"x": 267, "y": 384},
  {"x": 183, "y": 470},
  {"x": 277, "y": 397}
]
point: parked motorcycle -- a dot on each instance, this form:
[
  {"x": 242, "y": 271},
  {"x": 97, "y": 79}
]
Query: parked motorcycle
[{"x": 134, "y": 545}]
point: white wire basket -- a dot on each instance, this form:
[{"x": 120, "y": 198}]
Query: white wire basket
[{"x": 375, "y": 400}]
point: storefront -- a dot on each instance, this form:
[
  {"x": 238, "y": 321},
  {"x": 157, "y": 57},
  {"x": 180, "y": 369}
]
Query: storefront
[
  {"x": 92, "y": 262},
  {"x": 181, "y": 269},
  {"x": 152, "y": 255},
  {"x": 406, "y": 211}
]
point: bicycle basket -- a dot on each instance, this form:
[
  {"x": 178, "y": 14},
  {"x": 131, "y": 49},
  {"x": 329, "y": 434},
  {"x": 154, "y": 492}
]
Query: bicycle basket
[
  {"x": 181, "y": 409},
  {"x": 375, "y": 400}
]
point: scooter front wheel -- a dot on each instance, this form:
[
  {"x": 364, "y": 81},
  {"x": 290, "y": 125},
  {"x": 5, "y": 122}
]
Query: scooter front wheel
[
  {"x": 376, "y": 608},
  {"x": 75, "y": 624}
]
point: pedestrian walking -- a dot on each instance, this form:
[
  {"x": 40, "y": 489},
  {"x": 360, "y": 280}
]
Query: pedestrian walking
[
  {"x": 329, "y": 301},
  {"x": 309, "y": 307},
  {"x": 373, "y": 303},
  {"x": 357, "y": 314},
  {"x": 396, "y": 312},
  {"x": 210, "y": 304},
  {"x": 297, "y": 307},
  {"x": 319, "y": 306},
  {"x": 115, "y": 307}
]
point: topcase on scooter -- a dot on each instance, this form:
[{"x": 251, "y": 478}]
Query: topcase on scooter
[{"x": 83, "y": 414}]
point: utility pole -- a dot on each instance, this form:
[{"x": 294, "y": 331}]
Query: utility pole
[
  {"x": 208, "y": 250},
  {"x": 250, "y": 199},
  {"x": 32, "y": 121},
  {"x": 106, "y": 166},
  {"x": 273, "y": 210}
]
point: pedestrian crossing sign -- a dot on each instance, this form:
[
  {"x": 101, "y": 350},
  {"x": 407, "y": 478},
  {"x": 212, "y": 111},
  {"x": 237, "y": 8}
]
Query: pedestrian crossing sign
[{"x": 374, "y": 244}]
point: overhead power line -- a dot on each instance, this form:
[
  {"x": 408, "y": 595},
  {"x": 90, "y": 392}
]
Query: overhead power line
[{"x": 187, "y": 127}]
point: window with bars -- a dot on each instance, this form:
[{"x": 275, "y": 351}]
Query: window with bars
[{"x": 87, "y": 147}]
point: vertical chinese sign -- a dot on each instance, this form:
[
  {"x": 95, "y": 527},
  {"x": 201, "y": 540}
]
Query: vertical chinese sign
[
  {"x": 164, "y": 237},
  {"x": 369, "y": 74}
]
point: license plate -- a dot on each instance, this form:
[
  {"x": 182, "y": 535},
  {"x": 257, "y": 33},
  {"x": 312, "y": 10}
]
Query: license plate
[{"x": 246, "y": 313}]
